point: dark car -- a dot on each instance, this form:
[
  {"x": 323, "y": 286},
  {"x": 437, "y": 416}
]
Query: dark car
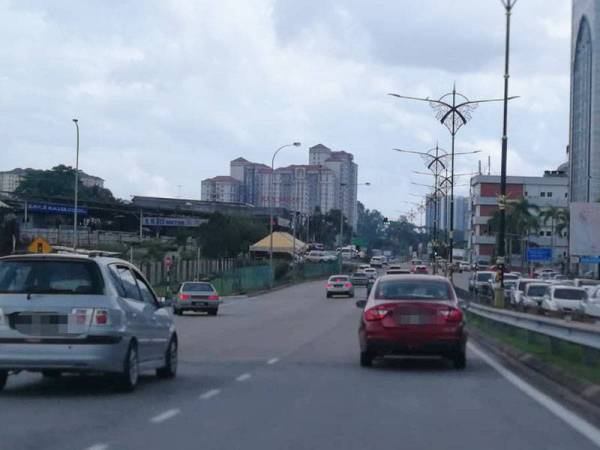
[
  {"x": 412, "y": 315},
  {"x": 359, "y": 279}
]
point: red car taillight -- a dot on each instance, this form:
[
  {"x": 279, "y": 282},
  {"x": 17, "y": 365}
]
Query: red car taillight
[
  {"x": 453, "y": 315},
  {"x": 184, "y": 296},
  {"x": 100, "y": 317},
  {"x": 329, "y": 285},
  {"x": 213, "y": 297},
  {"x": 376, "y": 313},
  {"x": 347, "y": 285}
]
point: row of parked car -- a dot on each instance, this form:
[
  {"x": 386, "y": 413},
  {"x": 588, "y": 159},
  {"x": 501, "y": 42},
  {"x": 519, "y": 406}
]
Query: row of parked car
[{"x": 549, "y": 293}]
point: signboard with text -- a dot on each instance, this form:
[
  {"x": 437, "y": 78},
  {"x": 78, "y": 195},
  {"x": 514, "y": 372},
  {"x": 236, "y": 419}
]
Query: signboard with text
[
  {"x": 55, "y": 208},
  {"x": 589, "y": 259},
  {"x": 172, "y": 221},
  {"x": 539, "y": 254}
]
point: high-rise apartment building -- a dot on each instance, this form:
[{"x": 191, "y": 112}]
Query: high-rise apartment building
[{"x": 328, "y": 182}]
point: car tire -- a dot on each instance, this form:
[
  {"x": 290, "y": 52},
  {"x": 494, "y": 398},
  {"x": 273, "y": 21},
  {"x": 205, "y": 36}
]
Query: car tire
[
  {"x": 128, "y": 378},
  {"x": 170, "y": 368},
  {"x": 351, "y": 295},
  {"x": 51, "y": 374},
  {"x": 366, "y": 359},
  {"x": 177, "y": 311},
  {"x": 213, "y": 312},
  {"x": 328, "y": 295},
  {"x": 3, "y": 378},
  {"x": 460, "y": 360}
]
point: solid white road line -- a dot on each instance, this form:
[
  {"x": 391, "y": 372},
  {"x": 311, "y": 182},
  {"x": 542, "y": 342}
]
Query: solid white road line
[
  {"x": 210, "y": 394},
  {"x": 576, "y": 422},
  {"x": 273, "y": 361},
  {"x": 243, "y": 377},
  {"x": 98, "y": 447},
  {"x": 165, "y": 416}
]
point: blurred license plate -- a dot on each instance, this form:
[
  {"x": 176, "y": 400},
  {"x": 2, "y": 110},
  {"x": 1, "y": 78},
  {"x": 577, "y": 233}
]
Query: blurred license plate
[
  {"x": 199, "y": 303},
  {"x": 413, "y": 319},
  {"x": 338, "y": 285}
]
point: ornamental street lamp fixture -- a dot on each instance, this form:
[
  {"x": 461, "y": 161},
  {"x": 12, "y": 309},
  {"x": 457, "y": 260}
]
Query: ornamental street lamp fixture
[{"x": 453, "y": 110}]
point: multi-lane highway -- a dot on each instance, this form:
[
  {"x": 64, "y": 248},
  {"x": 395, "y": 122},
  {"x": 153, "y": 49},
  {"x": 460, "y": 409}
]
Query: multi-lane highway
[{"x": 280, "y": 371}]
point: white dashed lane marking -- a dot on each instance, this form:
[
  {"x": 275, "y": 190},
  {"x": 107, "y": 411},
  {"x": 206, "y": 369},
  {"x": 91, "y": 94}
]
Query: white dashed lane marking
[
  {"x": 210, "y": 394},
  {"x": 273, "y": 361},
  {"x": 165, "y": 416},
  {"x": 243, "y": 377}
]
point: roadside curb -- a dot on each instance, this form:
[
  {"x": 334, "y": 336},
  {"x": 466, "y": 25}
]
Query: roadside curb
[{"x": 576, "y": 394}]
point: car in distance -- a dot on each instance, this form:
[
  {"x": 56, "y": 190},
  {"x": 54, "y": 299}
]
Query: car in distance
[
  {"x": 480, "y": 281},
  {"x": 377, "y": 261},
  {"x": 517, "y": 291},
  {"x": 359, "y": 279},
  {"x": 82, "y": 314},
  {"x": 339, "y": 285},
  {"x": 420, "y": 269},
  {"x": 371, "y": 272},
  {"x": 591, "y": 305},
  {"x": 198, "y": 296},
  {"x": 320, "y": 256},
  {"x": 408, "y": 315},
  {"x": 533, "y": 296},
  {"x": 564, "y": 299},
  {"x": 362, "y": 267}
]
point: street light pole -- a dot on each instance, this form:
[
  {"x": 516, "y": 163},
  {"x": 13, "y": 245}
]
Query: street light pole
[
  {"x": 75, "y": 240},
  {"x": 508, "y": 6},
  {"x": 271, "y": 194},
  {"x": 453, "y": 110}
]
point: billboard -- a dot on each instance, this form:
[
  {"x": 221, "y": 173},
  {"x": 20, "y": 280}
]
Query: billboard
[{"x": 584, "y": 236}]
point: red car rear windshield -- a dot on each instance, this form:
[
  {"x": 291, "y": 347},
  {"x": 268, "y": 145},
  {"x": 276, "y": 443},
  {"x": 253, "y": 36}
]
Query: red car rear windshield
[
  {"x": 50, "y": 277},
  {"x": 413, "y": 290}
]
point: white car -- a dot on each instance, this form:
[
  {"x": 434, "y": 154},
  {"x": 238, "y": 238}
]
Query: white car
[
  {"x": 377, "y": 261},
  {"x": 371, "y": 272},
  {"x": 591, "y": 306},
  {"x": 362, "y": 267},
  {"x": 339, "y": 285},
  {"x": 319, "y": 256},
  {"x": 533, "y": 296},
  {"x": 516, "y": 292},
  {"x": 564, "y": 299}
]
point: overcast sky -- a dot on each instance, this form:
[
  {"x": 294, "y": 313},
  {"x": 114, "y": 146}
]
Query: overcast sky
[{"x": 167, "y": 92}]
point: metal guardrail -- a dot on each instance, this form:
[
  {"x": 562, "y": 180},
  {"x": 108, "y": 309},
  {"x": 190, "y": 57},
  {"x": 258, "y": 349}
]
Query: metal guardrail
[{"x": 580, "y": 334}]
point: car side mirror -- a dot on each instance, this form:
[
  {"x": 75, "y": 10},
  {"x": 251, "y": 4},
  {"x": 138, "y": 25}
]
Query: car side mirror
[{"x": 361, "y": 304}]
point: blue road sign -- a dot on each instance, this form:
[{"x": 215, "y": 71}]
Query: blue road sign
[
  {"x": 539, "y": 254},
  {"x": 55, "y": 208},
  {"x": 589, "y": 259}
]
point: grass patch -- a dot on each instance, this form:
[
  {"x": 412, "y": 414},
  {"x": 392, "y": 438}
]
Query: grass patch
[{"x": 581, "y": 362}]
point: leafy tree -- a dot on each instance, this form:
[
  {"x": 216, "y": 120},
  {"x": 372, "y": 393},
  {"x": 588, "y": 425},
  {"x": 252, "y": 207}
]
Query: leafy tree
[
  {"x": 228, "y": 236},
  {"x": 58, "y": 183}
]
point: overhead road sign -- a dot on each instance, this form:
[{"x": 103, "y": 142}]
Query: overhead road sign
[{"x": 172, "y": 221}]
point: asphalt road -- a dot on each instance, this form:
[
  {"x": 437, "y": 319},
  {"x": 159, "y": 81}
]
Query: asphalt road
[{"x": 281, "y": 371}]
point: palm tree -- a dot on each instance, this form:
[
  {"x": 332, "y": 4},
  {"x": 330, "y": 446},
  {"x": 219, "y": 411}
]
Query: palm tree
[
  {"x": 551, "y": 214},
  {"x": 563, "y": 220},
  {"x": 520, "y": 221}
]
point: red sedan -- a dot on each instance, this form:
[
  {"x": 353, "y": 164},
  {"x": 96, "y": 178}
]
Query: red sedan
[
  {"x": 420, "y": 269},
  {"x": 412, "y": 315}
]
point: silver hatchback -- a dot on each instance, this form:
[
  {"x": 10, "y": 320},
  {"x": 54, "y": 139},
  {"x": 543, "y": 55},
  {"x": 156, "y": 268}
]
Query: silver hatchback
[{"x": 82, "y": 314}]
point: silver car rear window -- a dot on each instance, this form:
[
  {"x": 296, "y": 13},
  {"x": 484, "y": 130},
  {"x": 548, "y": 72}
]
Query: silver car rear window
[
  {"x": 197, "y": 287},
  {"x": 50, "y": 277}
]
